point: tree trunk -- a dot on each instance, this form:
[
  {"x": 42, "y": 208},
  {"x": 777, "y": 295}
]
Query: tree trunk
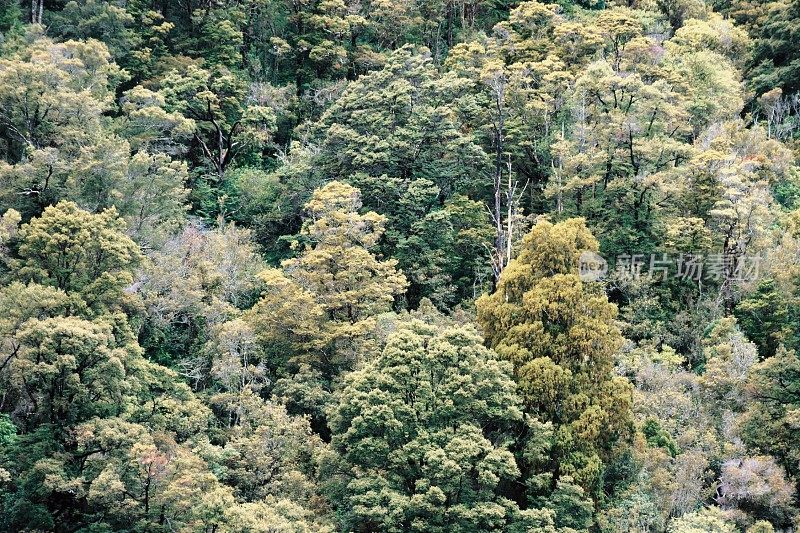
[{"x": 499, "y": 141}]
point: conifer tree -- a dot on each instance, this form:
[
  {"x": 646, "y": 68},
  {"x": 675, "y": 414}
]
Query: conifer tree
[{"x": 561, "y": 336}]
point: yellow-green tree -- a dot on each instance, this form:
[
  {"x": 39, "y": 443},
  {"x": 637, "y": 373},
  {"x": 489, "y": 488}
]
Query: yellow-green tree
[
  {"x": 560, "y": 334},
  {"x": 348, "y": 282},
  {"x": 316, "y": 316},
  {"x": 77, "y": 252}
]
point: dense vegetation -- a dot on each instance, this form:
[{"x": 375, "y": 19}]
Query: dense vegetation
[{"x": 320, "y": 265}]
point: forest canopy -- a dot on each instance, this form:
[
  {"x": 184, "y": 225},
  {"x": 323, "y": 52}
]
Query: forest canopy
[{"x": 396, "y": 266}]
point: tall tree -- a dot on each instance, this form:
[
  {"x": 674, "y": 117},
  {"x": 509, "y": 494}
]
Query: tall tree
[{"x": 560, "y": 334}]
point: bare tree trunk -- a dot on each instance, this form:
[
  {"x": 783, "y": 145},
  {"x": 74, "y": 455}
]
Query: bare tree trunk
[
  {"x": 506, "y": 189},
  {"x": 509, "y": 215},
  {"x": 498, "y": 87}
]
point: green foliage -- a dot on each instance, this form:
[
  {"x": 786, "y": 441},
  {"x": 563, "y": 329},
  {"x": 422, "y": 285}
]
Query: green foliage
[
  {"x": 10, "y": 16},
  {"x": 658, "y": 437},
  {"x": 246, "y": 248},
  {"x": 709, "y": 519},
  {"x": 573, "y": 508},
  {"x": 427, "y": 423},
  {"x": 559, "y": 333},
  {"x": 346, "y": 280},
  {"x": 774, "y": 59},
  {"x": 768, "y": 318},
  {"x": 77, "y": 252},
  {"x": 769, "y": 425},
  {"x": 445, "y": 253},
  {"x": 198, "y": 280},
  {"x": 54, "y": 94},
  {"x": 103, "y": 21}
]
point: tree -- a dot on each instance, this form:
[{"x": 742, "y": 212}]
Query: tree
[
  {"x": 628, "y": 133},
  {"x": 768, "y": 427},
  {"x": 268, "y": 454},
  {"x": 402, "y": 135},
  {"x": 102, "y": 21},
  {"x": 10, "y": 16},
  {"x": 678, "y": 438},
  {"x": 78, "y": 253},
  {"x": 67, "y": 370},
  {"x": 319, "y": 312},
  {"x": 757, "y": 486},
  {"x": 348, "y": 282},
  {"x": 199, "y": 280},
  {"x": 518, "y": 79},
  {"x": 706, "y": 520},
  {"x": 243, "y": 243},
  {"x": 421, "y": 434},
  {"x": 287, "y": 320},
  {"x": 146, "y": 124},
  {"x": 714, "y": 33},
  {"x": 445, "y": 255},
  {"x": 59, "y": 145},
  {"x": 217, "y": 101},
  {"x": 54, "y": 94},
  {"x": 221, "y": 118},
  {"x": 729, "y": 356},
  {"x": 146, "y": 189},
  {"x": 767, "y": 318},
  {"x": 100, "y": 428},
  {"x": 560, "y": 335},
  {"x": 773, "y": 62}
]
